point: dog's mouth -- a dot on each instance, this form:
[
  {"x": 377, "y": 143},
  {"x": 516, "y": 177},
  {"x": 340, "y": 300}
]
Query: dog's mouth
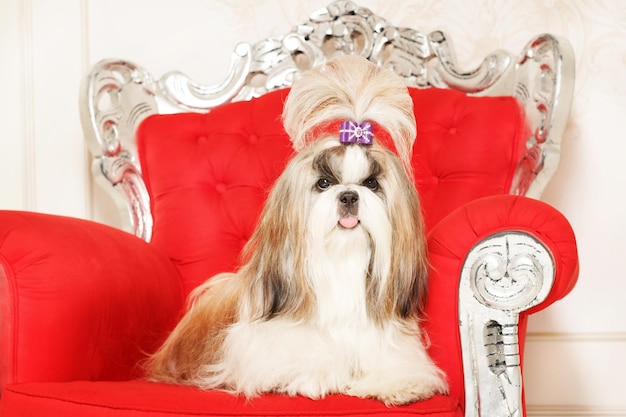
[{"x": 349, "y": 221}]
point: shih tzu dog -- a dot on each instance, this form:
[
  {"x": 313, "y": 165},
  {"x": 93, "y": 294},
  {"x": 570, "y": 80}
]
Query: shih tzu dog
[{"x": 333, "y": 281}]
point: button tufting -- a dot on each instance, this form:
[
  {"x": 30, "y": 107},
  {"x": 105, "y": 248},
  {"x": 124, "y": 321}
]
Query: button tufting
[
  {"x": 202, "y": 139},
  {"x": 452, "y": 131},
  {"x": 221, "y": 187},
  {"x": 253, "y": 138}
]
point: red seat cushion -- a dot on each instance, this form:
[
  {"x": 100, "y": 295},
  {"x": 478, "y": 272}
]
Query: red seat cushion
[{"x": 91, "y": 399}]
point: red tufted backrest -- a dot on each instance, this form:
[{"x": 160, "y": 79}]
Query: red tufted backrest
[
  {"x": 208, "y": 174},
  {"x": 466, "y": 148}
]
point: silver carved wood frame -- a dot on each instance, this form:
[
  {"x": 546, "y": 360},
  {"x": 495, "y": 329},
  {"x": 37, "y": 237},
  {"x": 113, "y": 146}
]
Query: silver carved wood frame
[{"x": 117, "y": 95}]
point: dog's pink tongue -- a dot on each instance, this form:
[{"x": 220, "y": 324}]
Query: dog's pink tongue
[{"x": 348, "y": 221}]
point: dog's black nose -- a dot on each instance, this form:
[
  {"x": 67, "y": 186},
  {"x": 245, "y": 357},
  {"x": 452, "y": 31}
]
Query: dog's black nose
[{"x": 348, "y": 199}]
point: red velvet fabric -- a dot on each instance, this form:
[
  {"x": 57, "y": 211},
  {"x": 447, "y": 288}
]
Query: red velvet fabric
[
  {"x": 466, "y": 148},
  {"x": 208, "y": 176},
  {"x": 78, "y": 299},
  {"x": 84, "y": 303},
  {"x": 138, "y": 397}
]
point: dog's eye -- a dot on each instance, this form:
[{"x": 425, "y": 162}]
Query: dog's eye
[
  {"x": 323, "y": 184},
  {"x": 371, "y": 183}
]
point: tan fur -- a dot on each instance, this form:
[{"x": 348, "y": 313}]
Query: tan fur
[{"x": 198, "y": 336}]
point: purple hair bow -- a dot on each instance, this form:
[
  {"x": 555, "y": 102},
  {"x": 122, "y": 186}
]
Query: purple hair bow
[{"x": 353, "y": 132}]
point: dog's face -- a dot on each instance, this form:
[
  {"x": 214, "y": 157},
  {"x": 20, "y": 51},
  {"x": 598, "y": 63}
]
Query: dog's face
[
  {"x": 342, "y": 203},
  {"x": 349, "y": 189}
]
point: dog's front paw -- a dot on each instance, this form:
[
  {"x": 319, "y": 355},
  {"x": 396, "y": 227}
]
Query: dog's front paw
[
  {"x": 407, "y": 395},
  {"x": 400, "y": 393}
]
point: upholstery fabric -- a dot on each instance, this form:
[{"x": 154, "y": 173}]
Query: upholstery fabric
[
  {"x": 82, "y": 303},
  {"x": 138, "y": 397},
  {"x": 78, "y": 299}
]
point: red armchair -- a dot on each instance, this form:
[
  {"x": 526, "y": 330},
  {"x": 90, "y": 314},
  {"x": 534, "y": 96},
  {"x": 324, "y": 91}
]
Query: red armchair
[{"x": 82, "y": 304}]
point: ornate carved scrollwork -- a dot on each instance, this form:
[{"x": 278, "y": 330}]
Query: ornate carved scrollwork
[
  {"x": 116, "y": 97},
  {"x": 187, "y": 94},
  {"x": 342, "y": 28},
  {"x": 502, "y": 276},
  {"x": 508, "y": 273},
  {"x": 543, "y": 83}
]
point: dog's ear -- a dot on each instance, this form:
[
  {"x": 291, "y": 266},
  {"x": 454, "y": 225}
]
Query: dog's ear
[{"x": 274, "y": 258}]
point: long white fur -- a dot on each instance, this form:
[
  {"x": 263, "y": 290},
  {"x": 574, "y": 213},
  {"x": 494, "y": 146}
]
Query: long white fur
[{"x": 329, "y": 340}]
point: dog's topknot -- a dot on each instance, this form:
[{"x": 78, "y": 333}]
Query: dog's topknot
[{"x": 350, "y": 87}]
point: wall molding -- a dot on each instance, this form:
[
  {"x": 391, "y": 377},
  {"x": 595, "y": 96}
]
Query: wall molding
[
  {"x": 569, "y": 411},
  {"x": 575, "y": 374},
  {"x": 539, "y": 337}
]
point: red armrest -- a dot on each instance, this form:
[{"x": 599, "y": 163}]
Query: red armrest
[
  {"x": 449, "y": 244},
  {"x": 460, "y": 231},
  {"x": 79, "y": 300}
]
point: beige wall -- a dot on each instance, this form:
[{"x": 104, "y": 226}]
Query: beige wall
[{"x": 575, "y": 349}]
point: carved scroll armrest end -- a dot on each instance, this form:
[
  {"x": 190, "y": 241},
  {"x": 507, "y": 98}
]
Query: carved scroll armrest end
[{"x": 503, "y": 275}]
